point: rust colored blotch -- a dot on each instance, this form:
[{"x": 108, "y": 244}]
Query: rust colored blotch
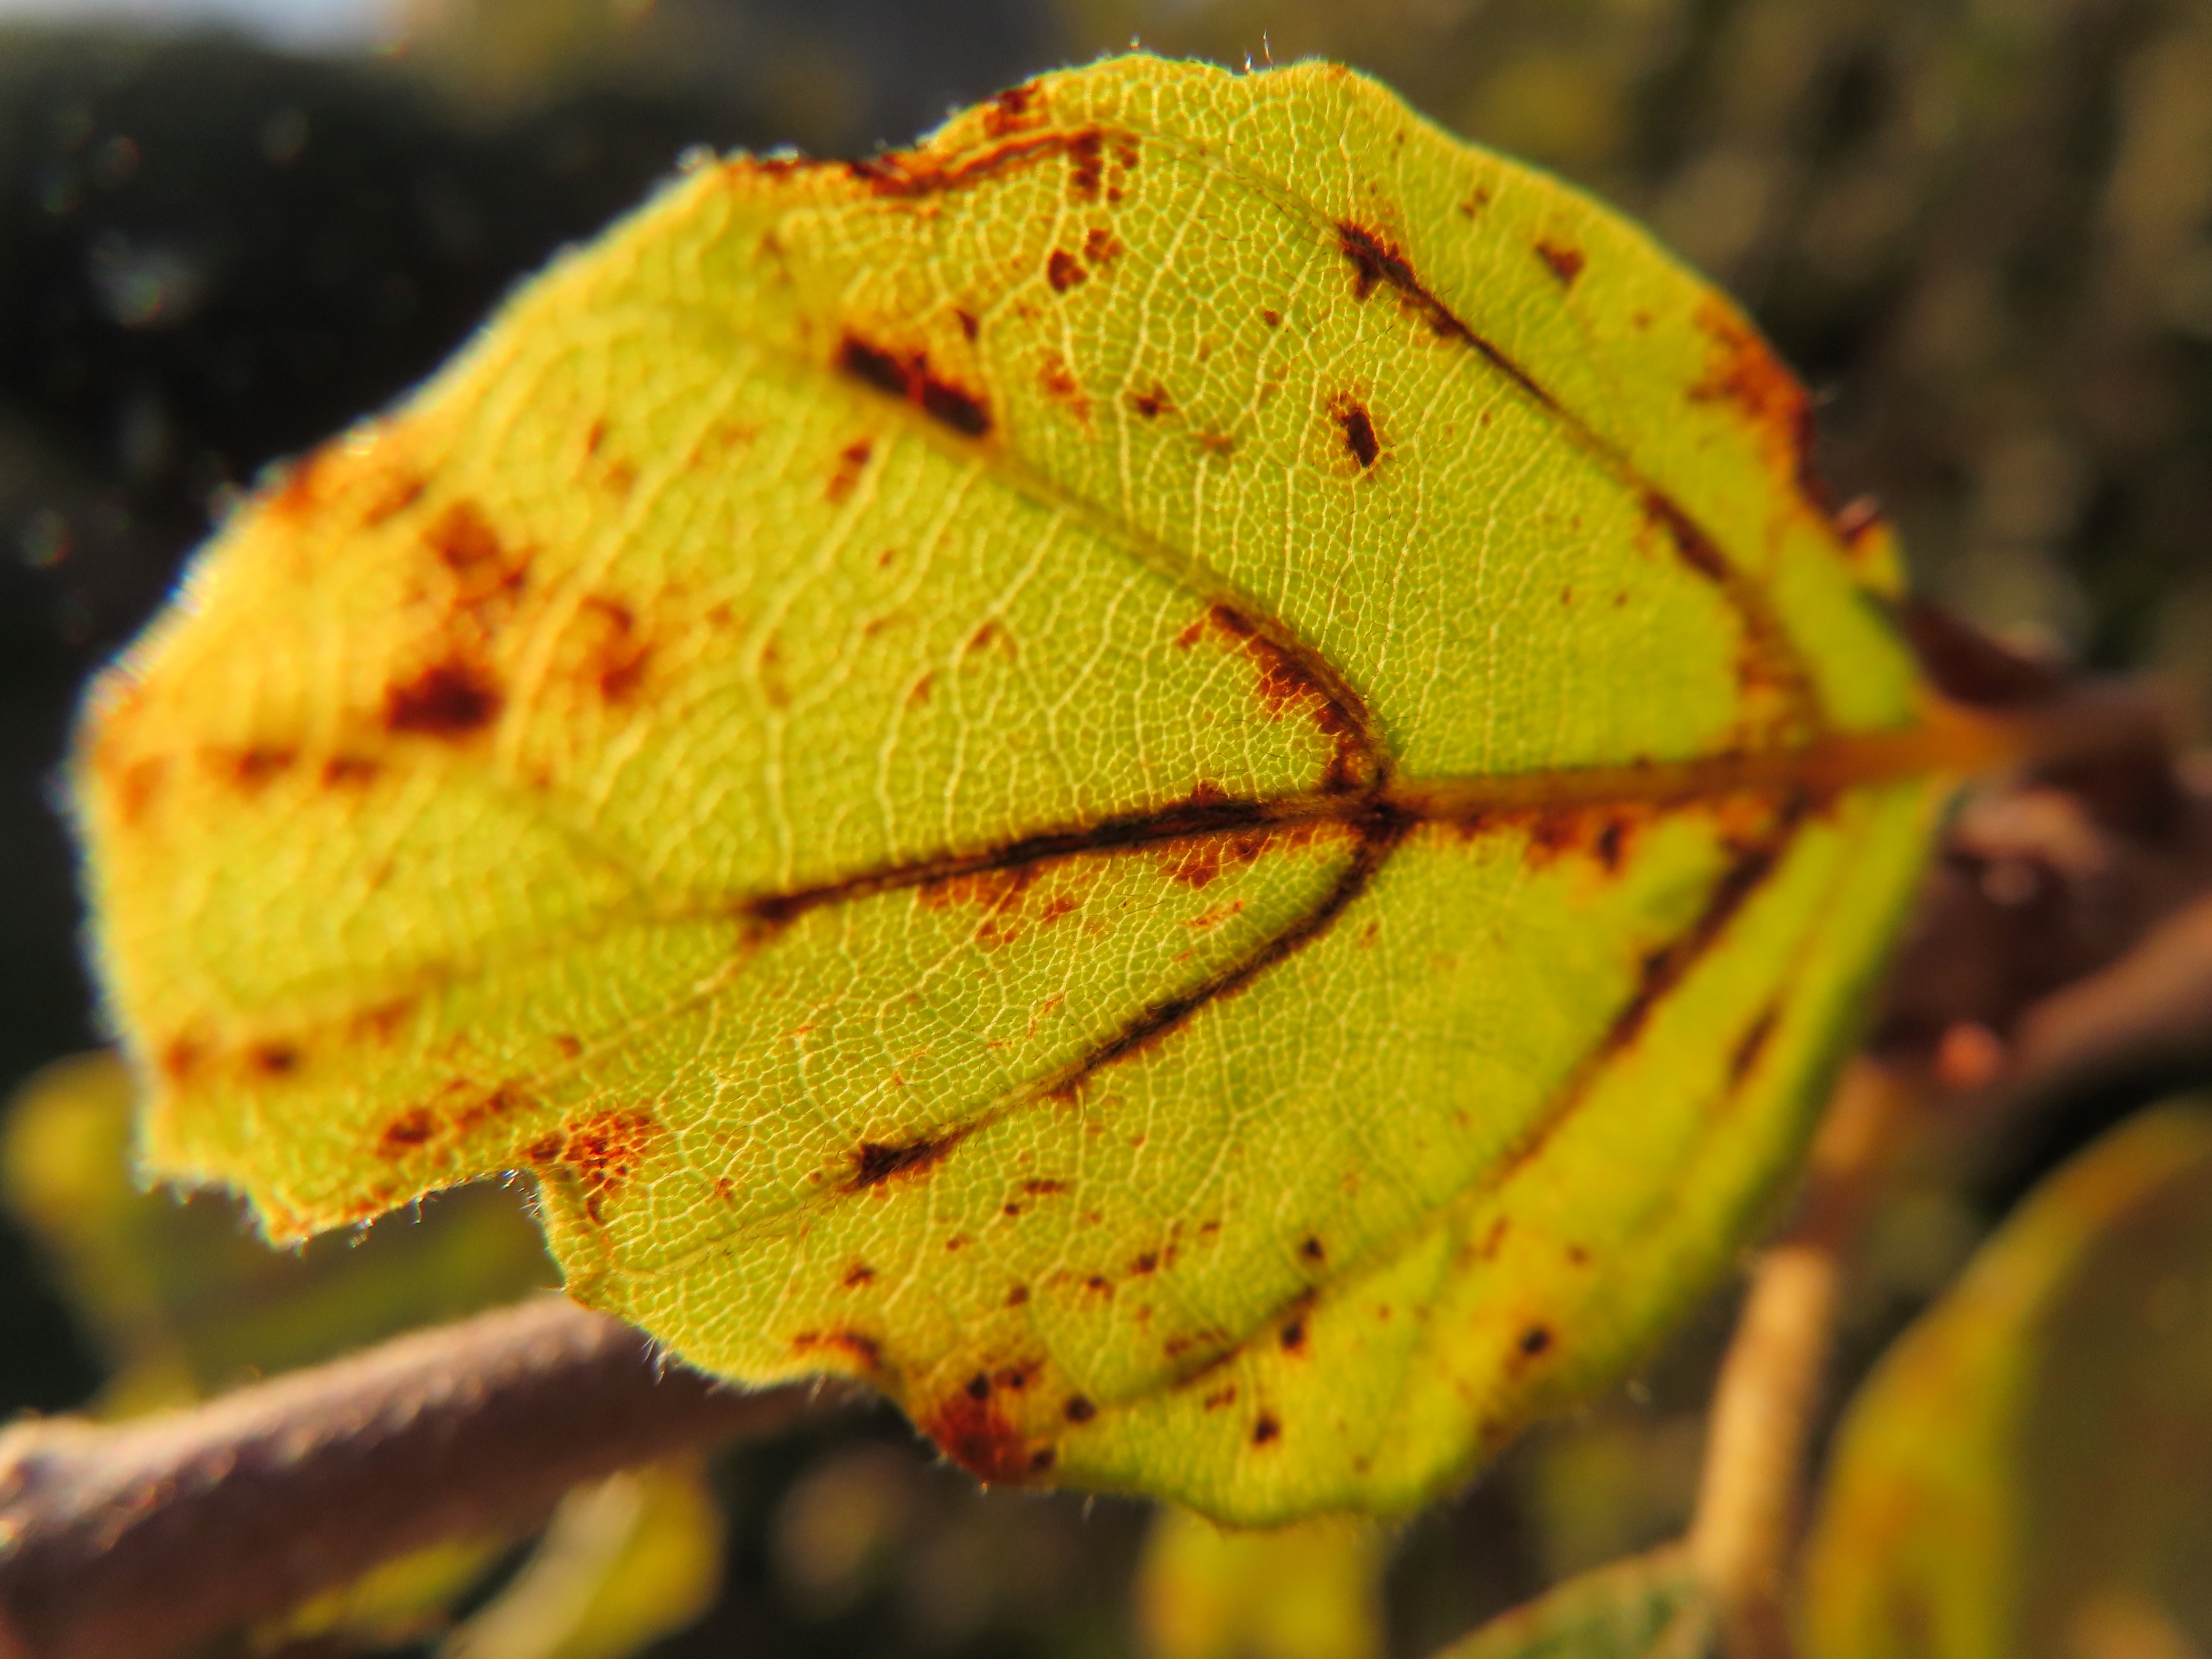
[
  {"x": 1494, "y": 1237},
  {"x": 180, "y": 1057},
  {"x": 405, "y": 490},
  {"x": 252, "y": 768},
  {"x": 973, "y": 1434},
  {"x": 1153, "y": 404},
  {"x": 274, "y": 1059},
  {"x": 622, "y": 657},
  {"x": 350, "y": 771},
  {"x": 1691, "y": 544},
  {"x": 449, "y": 699},
  {"x": 1749, "y": 1046},
  {"x": 1358, "y": 429},
  {"x": 876, "y": 1163},
  {"x": 979, "y": 1387},
  {"x": 569, "y": 1046},
  {"x": 1064, "y": 271},
  {"x": 1220, "y": 1397},
  {"x": 1265, "y": 1429},
  {"x": 909, "y": 377},
  {"x": 406, "y": 1132},
  {"x": 1744, "y": 372},
  {"x": 1080, "y": 1410},
  {"x": 1294, "y": 1336},
  {"x": 1012, "y": 110},
  {"x": 857, "y": 1275},
  {"x": 1100, "y": 1284},
  {"x": 1564, "y": 262},
  {"x": 1148, "y": 1262},
  {"x": 1086, "y": 164},
  {"x": 970, "y": 325},
  {"x": 1100, "y": 246},
  {"x": 1285, "y": 682},
  {"x": 1044, "y": 1187},
  {"x": 1312, "y": 1251},
  {"x": 605, "y": 1151},
  {"x": 852, "y": 461},
  {"x": 1272, "y": 318},
  {"x": 465, "y": 540},
  {"x": 1017, "y": 1295},
  {"x": 1534, "y": 1340},
  {"x": 1059, "y": 384}
]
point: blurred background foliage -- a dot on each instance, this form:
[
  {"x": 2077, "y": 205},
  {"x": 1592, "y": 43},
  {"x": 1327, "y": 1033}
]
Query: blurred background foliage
[{"x": 1982, "y": 229}]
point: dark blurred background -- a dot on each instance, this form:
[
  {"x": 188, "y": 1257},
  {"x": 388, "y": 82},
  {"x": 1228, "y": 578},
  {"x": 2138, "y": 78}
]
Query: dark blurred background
[{"x": 1982, "y": 230}]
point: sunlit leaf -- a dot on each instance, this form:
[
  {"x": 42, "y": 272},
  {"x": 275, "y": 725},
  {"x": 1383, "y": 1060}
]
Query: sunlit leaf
[
  {"x": 1648, "y": 1607},
  {"x": 2029, "y": 1470},
  {"x": 1193, "y": 775},
  {"x": 1311, "y": 1591}
]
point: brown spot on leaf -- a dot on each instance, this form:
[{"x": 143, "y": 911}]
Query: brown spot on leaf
[
  {"x": 604, "y": 1151},
  {"x": 569, "y": 1047},
  {"x": 1017, "y": 1295},
  {"x": 974, "y": 1435},
  {"x": 875, "y": 1162},
  {"x": 180, "y": 1057},
  {"x": 1272, "y": 318},
  {"x": 1153, "y": 404},
  {"x": 1064, "y": 271},
  {"x": 1225, "y": 1395},
  {"x": 1014, "y": 109},
  {"x": 620, "y": 657},
  {"x": 1294, "y": 1336},
  {"x": 1752, "y": 1044},
  {"x": 251, "y": 769},
  {"x": 1564, "y": 262},
  {"x": 1311, "y": 1250},
  {"x": 909, "y": 377},
  {"x": 1536, "y": 1339},
  {"x": 858, "y": 1274},
  {"x": 1357, "y": 427},
  {"x": 970, "y": 325},
  {"x": 1080, "y": 1410},
  {"x": 1744, "y": 373},
  {"x": 275, "y": 1058},
  {"x": 1265, "y": 1429},
  {"x": 1044, "y": 1187},
  {"x": 350, "y": 771},
  {"x": 450, "y": 700},
  {"x": 411, "y": 1129},
  {"x": 852, "y": 461},
  {"x": 1061, "y": 384},
  {"x": 1101, "y": 246}
]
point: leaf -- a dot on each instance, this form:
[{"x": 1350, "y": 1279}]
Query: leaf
[
  {"x": 1312, "y": 1590},
  {"x": 2028, "y": 1471},
  {"x": 1648, "y": 1607},
  {"x": 184, "y": 1302},
  {"x": 625, "y": 1561},
  {"x": 1193, "y": 775}
]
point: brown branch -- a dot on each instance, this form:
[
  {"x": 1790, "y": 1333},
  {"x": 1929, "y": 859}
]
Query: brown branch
[
  {"x": 1771, "y": 1382},
  {"x": 139, "y": 1540}
]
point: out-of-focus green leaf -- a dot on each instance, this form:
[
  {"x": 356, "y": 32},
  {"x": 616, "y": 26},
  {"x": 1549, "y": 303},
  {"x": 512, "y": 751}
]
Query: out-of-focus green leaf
[
  {"x": 1648, "y": 1607},
  {"x": 186, "y": 1301},
  {"x": 625, "y": 1562},
  {"x": 2029, "y": 1471},
  {"x": 1311, "y": 1591}
]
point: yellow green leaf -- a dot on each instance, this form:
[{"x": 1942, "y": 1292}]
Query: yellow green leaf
[
  {"x": 1193, "y": 775},
  {"x": 1647, "y": 1606},
  {"x": 625, "y": 1561},
  {"x": 183, "y": 1301},
  {"x": 1309, "y": 1590},
  {"x": 2029, "y": 1470}
]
